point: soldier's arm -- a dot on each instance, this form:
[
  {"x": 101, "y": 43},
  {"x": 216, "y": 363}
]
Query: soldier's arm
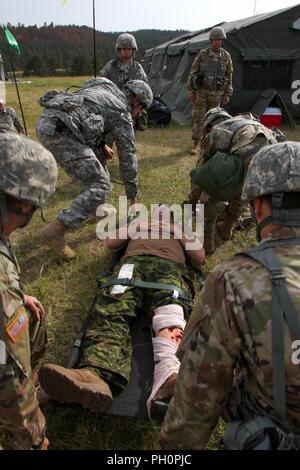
[
  {"x": 105, "y": 71},
  {"x": 229, "y": 71},
  {"x": 205, "y": 378},
  {"x": 196, "y": 66},
  {"x": 19, "y": 409},
  {"x": 141, "y": 74},
  {"x": 122, "y": 130},
  {"x": 18, "y": 125}
]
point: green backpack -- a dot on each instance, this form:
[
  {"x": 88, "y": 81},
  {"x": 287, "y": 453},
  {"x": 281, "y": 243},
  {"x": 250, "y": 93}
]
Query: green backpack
[{"x": 221, "y": 177}]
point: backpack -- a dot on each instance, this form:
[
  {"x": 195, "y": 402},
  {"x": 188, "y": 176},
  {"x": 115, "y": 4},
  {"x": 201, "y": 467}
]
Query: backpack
[
  {"x": 221, "y": 177},
  {"x": 159, "y": 114}
]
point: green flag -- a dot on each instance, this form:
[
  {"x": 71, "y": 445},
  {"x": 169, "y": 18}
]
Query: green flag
[{"x": 11, "y": 39}]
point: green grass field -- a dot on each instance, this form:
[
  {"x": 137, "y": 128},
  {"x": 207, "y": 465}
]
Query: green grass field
[{"x": 67, "y": 289}]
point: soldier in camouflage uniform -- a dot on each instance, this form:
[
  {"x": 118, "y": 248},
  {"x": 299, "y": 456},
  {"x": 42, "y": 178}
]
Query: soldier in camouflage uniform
[
  {"x": 104, "y": 368},
  {"x": 209, "y": 83},
  {"x": 231, "y": 327},
  {"x": 246, "y": 136},
  {"x": 72, "y": 127},
  {"x": 28, "y": 178},
  {"x": 125, "y": 68},
  {"x": 9, "y": 120}
]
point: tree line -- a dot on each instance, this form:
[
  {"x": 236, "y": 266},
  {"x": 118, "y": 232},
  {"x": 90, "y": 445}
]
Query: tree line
[{"x": 68, "y": 50}]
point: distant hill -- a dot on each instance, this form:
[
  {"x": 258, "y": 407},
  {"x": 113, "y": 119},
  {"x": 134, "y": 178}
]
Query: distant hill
[{"x": 52, "y": 50}]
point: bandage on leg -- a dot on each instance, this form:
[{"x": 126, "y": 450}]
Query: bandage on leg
[{"x": 168, "y": 323}]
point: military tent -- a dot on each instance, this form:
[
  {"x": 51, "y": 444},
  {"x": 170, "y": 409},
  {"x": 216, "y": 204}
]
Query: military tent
[{"x": 265, "y": 50}]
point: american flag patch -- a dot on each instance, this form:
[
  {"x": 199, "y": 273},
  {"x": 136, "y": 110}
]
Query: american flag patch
[{"x": 17, "y": 326}]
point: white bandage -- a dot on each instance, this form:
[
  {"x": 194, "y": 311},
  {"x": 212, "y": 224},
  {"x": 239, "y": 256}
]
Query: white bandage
[
  {"x": 166, "y": 364},
  {"x": 125, "y": 272},
  {"x": 168, "y": 316}
]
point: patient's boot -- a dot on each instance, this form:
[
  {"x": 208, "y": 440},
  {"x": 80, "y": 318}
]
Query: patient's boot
[
  {"x": 54, "y": 235},
  {"x": 75, "y": 386}
]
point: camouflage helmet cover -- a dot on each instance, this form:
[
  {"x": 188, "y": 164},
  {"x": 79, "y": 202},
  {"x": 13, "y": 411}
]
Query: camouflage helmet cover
[
  {"x": 27, "y": 170},
  {"x": 126, "y": 41},
  {"x": 142, "y": 90},
  {"x": 274, "y": 168},
  {"x": 217, "y": 33},
  {"x": 214, "y": 116}
]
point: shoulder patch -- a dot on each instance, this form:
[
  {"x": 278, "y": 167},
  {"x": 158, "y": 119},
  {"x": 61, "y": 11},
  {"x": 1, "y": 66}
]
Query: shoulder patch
[{"x": 18, "y": 325}]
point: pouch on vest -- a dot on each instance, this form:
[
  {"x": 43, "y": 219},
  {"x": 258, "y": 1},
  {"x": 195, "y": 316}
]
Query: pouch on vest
[{"x": 221, "y": 177}]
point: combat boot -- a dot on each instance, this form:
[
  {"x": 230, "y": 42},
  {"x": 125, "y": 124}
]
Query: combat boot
[
  {"x": 75, "y": 386},
  {"x": 225, "y": 228},
  {"x": 209, "y": 243},
  {"x": 54, "y": 235},
  {"x": 196, "y": 147},
  {"x": 166, "y": 392}
]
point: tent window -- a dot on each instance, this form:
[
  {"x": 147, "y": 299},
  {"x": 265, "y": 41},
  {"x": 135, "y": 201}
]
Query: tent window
[
  {"x": 171, "y": 66},
  {"x": 271, "y": 74},
  {"x": 296, "y": 24},
  {"x": 184, "y": 77}
]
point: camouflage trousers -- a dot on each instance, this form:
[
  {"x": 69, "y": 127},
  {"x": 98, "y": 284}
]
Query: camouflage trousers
[
  {"x": 19, "y": 408},
  {"x": 202, "y": 104},
  {"x": 107, "y": 346},
  {"x": 212, "y": 209},
  {"x": 81, "y": 164}
]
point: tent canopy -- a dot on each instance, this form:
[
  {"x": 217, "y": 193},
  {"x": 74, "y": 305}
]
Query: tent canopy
[{"x": 265, "y": 50}]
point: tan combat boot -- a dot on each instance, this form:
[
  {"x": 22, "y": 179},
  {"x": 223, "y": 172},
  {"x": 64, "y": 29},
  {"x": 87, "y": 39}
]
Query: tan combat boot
[
  {"x": 53, "y": 234},
  {"x": 225, "y": 228},
  {"x": 75, "y": 386},
  {"x": 209, "y": 243},
  {"x": 196, "y": 147}
]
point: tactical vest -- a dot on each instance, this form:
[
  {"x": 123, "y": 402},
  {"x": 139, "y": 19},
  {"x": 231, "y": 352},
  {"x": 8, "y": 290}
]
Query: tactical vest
[
  {"x": 263, "y": 432},
  {"x": 213, "y": 71},
  {"x": 221, "y": 135}
]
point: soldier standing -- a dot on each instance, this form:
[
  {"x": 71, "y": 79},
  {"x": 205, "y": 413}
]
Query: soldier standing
[
  {"x": 125, "y": 68},
  {"x": 210, "y": 82},
  {"x": 246, "y": 321},
  {"x": 9, "y": 120},
  {"x": 72, "y": 127},
  {"x": 28, "y": 178}
]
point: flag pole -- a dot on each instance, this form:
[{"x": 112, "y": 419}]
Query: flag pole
[
  {"x": 94, "y": 34},
  {"x": 17, "y": 88}
]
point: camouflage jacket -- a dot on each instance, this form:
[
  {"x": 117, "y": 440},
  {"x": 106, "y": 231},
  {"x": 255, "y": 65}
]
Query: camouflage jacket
[
  {"x": 19, "y": 409},
  {"x": 101, "y": 104},
  {"x": 229, "y": 330},
  {"x": 118, "y": 73},
  {"x": 9, "y": 121}
]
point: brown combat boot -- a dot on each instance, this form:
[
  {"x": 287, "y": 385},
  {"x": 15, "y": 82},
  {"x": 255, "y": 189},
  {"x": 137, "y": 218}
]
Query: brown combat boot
[
  {"x": 75, "y": 386},
  {"x": 209, "y": 243},
  {"x": 225, "y": 228},
  {"x": 166, "y": 392},
  {"x": 196, "y": 147},
  {"x": 53, "y": 234}
]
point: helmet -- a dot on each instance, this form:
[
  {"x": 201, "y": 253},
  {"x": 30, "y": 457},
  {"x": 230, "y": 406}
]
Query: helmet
[
  {"x": 141, "y": 90},
  {"x": 214, "y": 116},
  {"x": 126, "y": 41},
  {"x": 217, "y": 33},
  {"x": 274, "y": 169},
  {"x": 27, "y": 170}
]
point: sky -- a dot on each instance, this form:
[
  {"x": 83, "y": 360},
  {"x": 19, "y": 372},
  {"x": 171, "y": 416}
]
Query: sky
[{"x": 131, "y": 15}]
